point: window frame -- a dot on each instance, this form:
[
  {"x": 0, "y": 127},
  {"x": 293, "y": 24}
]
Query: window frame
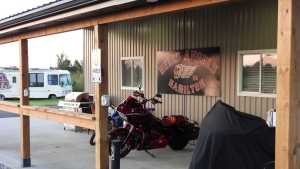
[
  {"x": 14, "y": 79},
  {"x": 51, "y": 84},
  {"x": 240, "y": 74},
  {"x": 143, "y": 73},
  {"x": 36, "y": 82},
  {"x": 66, "y": 77}
]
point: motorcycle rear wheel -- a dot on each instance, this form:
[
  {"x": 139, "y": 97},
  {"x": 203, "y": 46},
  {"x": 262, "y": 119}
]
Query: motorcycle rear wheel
[
  {"x": 177, "y": 142},
  {"x": 123, "y": 150}
]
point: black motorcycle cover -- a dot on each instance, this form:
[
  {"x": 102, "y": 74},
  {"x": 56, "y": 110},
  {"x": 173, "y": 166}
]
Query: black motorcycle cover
[{"x": 229, "y": 139}]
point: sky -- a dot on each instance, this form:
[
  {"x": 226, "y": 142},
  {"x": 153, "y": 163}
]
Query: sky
[{"x": 42, "y": 51}]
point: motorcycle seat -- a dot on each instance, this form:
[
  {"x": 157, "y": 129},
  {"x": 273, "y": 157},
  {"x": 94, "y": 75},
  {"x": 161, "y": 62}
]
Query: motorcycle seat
[{"x": 169, "y": 121}]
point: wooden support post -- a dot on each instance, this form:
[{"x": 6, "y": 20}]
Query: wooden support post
[
  {"x": 288, "y": 91},
  {"x": 101, "y": 112},
  {"x": 24, "y": 120}
]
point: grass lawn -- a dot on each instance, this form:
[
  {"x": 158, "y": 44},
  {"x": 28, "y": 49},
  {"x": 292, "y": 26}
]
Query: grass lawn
[{"x": 39, "y": 102}]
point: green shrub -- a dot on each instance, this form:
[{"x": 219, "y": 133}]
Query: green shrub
[{"x": 77, "y": 77}]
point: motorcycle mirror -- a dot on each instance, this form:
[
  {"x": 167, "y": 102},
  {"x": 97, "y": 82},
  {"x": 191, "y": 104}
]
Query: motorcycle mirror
[
  {"x": 158, "y": 95},
  {"x": 154, "y": 101},
  {"x": 136, "y": 93}
]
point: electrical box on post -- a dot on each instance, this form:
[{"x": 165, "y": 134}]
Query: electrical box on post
[
  {"x": 271, "y": 118},
  {"x": 105, "y": 100}
]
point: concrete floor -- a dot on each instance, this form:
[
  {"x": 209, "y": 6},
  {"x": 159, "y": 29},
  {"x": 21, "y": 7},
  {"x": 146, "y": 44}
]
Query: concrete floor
[{"x": 52, "y": 147}]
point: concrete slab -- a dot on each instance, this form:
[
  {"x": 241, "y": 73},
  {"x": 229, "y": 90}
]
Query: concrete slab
[{"x": 53, "y": 147}]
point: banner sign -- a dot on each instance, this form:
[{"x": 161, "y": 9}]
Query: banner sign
[
  {"x": 4, "y": 83},
  {"x": 189, "y": 71},
  {"x": 96, "y": 66}
]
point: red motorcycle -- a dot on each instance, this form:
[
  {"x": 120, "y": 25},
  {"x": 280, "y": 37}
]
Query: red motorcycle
[{"x": 143, "y": 131}]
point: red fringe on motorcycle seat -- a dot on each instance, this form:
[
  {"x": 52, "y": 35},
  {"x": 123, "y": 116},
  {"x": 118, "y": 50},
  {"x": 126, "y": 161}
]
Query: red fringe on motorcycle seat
[
  {"x": 169, "y": 121},
  {"x": 173, "y": 119}
]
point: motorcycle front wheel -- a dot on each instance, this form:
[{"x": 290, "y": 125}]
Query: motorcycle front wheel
[
  {"x": 177, "y": 142},
  {"x": 124, "y": 150},
  {"x": 110, "y": 127}
]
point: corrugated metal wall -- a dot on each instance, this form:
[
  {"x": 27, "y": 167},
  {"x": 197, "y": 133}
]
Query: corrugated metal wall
[
  {"x": 89, "y": 45},
  {"x": 247, "y": 25}
]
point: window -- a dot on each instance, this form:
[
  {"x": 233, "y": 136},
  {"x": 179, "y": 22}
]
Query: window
[
  {"x": 257, "y": 73},
  {"x": 36, "y": 80},
  {"x": 132, "y": 72},
  {"x": 65, "y": 80},
  {"x": 53, "y": 79},
  {"x": 14, "y": 79}
]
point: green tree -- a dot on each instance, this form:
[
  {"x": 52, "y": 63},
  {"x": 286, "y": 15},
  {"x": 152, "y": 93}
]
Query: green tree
[
  {"x": 77, "y": 67},
  {"x": 63, "y": 62},
  {"x": 76, "y": 70}
]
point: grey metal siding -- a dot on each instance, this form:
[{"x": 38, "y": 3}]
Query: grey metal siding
[
  {"x": 247, "y": 25},
  {"x": 88, "y": 42}
]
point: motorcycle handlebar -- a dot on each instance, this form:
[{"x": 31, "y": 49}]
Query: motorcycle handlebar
[{"x": 144, "y": 100}]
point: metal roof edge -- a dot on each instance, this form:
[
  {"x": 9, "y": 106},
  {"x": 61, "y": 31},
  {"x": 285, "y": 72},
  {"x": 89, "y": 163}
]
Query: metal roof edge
[
  {"x": 33, "y": 10},
  {"x": 44, "y": 11}
]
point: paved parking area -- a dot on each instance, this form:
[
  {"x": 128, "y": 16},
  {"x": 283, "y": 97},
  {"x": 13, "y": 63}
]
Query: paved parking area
[{"x": 53, "y": 147}]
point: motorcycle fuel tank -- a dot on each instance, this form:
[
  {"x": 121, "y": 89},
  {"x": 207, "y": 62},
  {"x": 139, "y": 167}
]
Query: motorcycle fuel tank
[{"x": 132, "y": 110}]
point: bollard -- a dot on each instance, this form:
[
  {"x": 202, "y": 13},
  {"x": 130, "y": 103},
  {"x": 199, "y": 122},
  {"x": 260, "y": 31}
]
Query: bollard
[{"x": 115, "y": 154}]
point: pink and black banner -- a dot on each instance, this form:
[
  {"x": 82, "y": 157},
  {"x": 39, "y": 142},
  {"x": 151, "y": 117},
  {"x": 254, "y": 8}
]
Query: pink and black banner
[
  {"x": 189, "y": 71},
  {"x": 4, "y": 83}
]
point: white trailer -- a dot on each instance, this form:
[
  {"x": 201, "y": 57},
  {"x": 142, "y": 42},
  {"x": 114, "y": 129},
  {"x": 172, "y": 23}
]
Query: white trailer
[{"x": 43, "y": 83}]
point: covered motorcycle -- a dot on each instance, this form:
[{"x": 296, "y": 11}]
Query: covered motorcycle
[
  {"x": 143, "y": 131},
  {"x": 231, "y": 139}
]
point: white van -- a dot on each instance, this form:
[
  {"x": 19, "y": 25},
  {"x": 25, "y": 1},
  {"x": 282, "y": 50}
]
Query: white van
[{"x": 43, "y": 83}]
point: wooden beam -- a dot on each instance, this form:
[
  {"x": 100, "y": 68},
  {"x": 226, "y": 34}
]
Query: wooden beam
[
  {"x": 288, "y": 92},
  {"x": 101, "y": 112},
  {"x": 10, "y": 107},
  {"x": 155, "y": 9},
  {"x": 75, "y": 118},
  {"x": 24, "y": 120}
]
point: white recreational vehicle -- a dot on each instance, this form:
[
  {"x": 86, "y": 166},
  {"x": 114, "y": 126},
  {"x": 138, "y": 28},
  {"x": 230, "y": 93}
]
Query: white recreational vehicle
[{"x": 43, "y": 83}]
